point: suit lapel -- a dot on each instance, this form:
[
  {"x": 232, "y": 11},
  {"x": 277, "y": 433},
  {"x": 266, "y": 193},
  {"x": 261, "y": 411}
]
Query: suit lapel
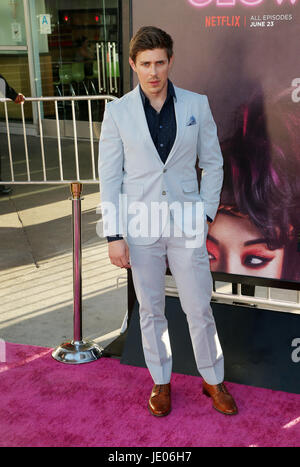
[
  {"x": 143, "y": 124},
  {"x": 180, "y": 114}
]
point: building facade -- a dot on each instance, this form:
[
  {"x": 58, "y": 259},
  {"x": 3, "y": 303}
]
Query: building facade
[{"x": 62, "y": 48}]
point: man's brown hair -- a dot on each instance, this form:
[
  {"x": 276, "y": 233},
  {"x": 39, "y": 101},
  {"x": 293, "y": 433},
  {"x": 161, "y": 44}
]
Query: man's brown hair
[{"x": 149, "y": 38}]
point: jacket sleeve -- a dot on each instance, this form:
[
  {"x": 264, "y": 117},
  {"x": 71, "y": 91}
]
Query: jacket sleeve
[
  {"x": 211, "y": 161},
  {"x": 111, "y": 160},
  {"x": 7, "y": 90}
]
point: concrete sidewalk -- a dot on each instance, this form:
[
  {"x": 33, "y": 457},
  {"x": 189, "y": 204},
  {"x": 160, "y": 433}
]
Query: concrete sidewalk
[{"x": 36, "y": 274}]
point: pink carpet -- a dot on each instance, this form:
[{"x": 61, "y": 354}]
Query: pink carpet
[{"x": 46, "y": 403}]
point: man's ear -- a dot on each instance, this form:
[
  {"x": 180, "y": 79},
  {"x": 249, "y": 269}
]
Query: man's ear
[
  {"x": 132, "y": 64},
  {"x": 171, "y": 62}
]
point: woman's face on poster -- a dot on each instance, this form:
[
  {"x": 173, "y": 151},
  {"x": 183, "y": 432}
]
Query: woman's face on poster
[{"x": 236, "y": 246}]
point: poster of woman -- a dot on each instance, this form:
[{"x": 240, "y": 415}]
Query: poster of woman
[
  {"x": 258, "y": 221},
  {"x": 243, "y": 54}
]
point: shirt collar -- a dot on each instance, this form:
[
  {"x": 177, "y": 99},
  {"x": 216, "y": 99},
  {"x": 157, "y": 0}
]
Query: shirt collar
[{"x": 170, "y": 93}]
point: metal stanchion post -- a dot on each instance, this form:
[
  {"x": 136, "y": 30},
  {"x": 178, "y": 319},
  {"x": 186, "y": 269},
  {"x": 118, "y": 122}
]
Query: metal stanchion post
[{"x": 78, "y": 350}]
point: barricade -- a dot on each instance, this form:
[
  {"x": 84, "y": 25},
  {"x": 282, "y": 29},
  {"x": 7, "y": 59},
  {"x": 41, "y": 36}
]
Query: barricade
[{"x": 77, "y": 350}]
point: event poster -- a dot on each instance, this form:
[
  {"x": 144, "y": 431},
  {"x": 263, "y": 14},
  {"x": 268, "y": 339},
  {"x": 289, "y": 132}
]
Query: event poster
[{"x": 244, "y": 55}]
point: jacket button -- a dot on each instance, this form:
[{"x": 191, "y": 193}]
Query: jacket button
[
  {"x": 164, "y": 193},
  {"x": 164, "y": 171}
]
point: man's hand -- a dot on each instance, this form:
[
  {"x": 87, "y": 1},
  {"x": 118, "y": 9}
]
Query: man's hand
[
  {"x": 118, "y": 253},
  {"x": 20, "y": 98}
]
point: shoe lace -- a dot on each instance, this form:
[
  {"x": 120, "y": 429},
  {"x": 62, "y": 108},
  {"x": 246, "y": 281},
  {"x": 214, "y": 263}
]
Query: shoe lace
[
  {"x": 221, "y": 387},
  {"x": 160, "y": 387}
]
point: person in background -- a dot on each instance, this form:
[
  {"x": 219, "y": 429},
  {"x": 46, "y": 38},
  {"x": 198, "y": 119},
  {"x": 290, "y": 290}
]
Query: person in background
[
  {"x": 8, "y": 92},
  {"x": 84, "y": 52}
]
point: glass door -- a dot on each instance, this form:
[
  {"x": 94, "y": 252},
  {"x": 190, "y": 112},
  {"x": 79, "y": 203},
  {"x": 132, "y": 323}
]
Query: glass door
[
  {"x": 76, "y": 49},
  {"x": 107, "y": 50}
]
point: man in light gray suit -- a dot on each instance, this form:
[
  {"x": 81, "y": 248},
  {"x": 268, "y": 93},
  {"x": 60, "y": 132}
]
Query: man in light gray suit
[{"x": 152, "y": 210}]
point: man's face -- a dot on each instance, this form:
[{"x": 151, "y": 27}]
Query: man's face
[{"x": 152, "y": 68}]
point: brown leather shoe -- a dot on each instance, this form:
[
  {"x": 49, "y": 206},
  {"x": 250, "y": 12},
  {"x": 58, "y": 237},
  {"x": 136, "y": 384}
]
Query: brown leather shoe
[
  {"x": 222, "y": 400},
  {"x": 160, "y": 400}
]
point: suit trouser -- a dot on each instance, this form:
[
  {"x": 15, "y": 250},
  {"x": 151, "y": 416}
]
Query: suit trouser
[{"x": 191, "y": 271}]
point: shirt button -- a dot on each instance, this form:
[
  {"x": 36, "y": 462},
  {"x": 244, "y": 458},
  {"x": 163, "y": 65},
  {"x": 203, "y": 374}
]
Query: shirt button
[
  {"x": 164, "y": 171},
  {"x": 160, "y": 126},
  {"x": 164, "y": 193},
  {"x": 161, "y": 145}
]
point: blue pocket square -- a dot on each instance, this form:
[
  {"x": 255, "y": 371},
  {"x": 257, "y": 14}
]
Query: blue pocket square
[{"x": 192, "y": 121}]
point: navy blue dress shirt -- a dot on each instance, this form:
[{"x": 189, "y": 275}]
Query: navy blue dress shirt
[{"x": 162, "y": 125}]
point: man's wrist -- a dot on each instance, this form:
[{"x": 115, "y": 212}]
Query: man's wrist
[{"x": 114, "y": 238}]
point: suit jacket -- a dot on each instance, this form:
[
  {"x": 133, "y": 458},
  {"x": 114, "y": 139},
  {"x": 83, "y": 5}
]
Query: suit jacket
[{"x": 133, "y": 178}]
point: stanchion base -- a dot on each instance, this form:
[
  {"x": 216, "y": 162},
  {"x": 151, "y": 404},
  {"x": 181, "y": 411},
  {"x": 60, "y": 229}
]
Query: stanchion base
[{"x": 77, "y": 352}]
